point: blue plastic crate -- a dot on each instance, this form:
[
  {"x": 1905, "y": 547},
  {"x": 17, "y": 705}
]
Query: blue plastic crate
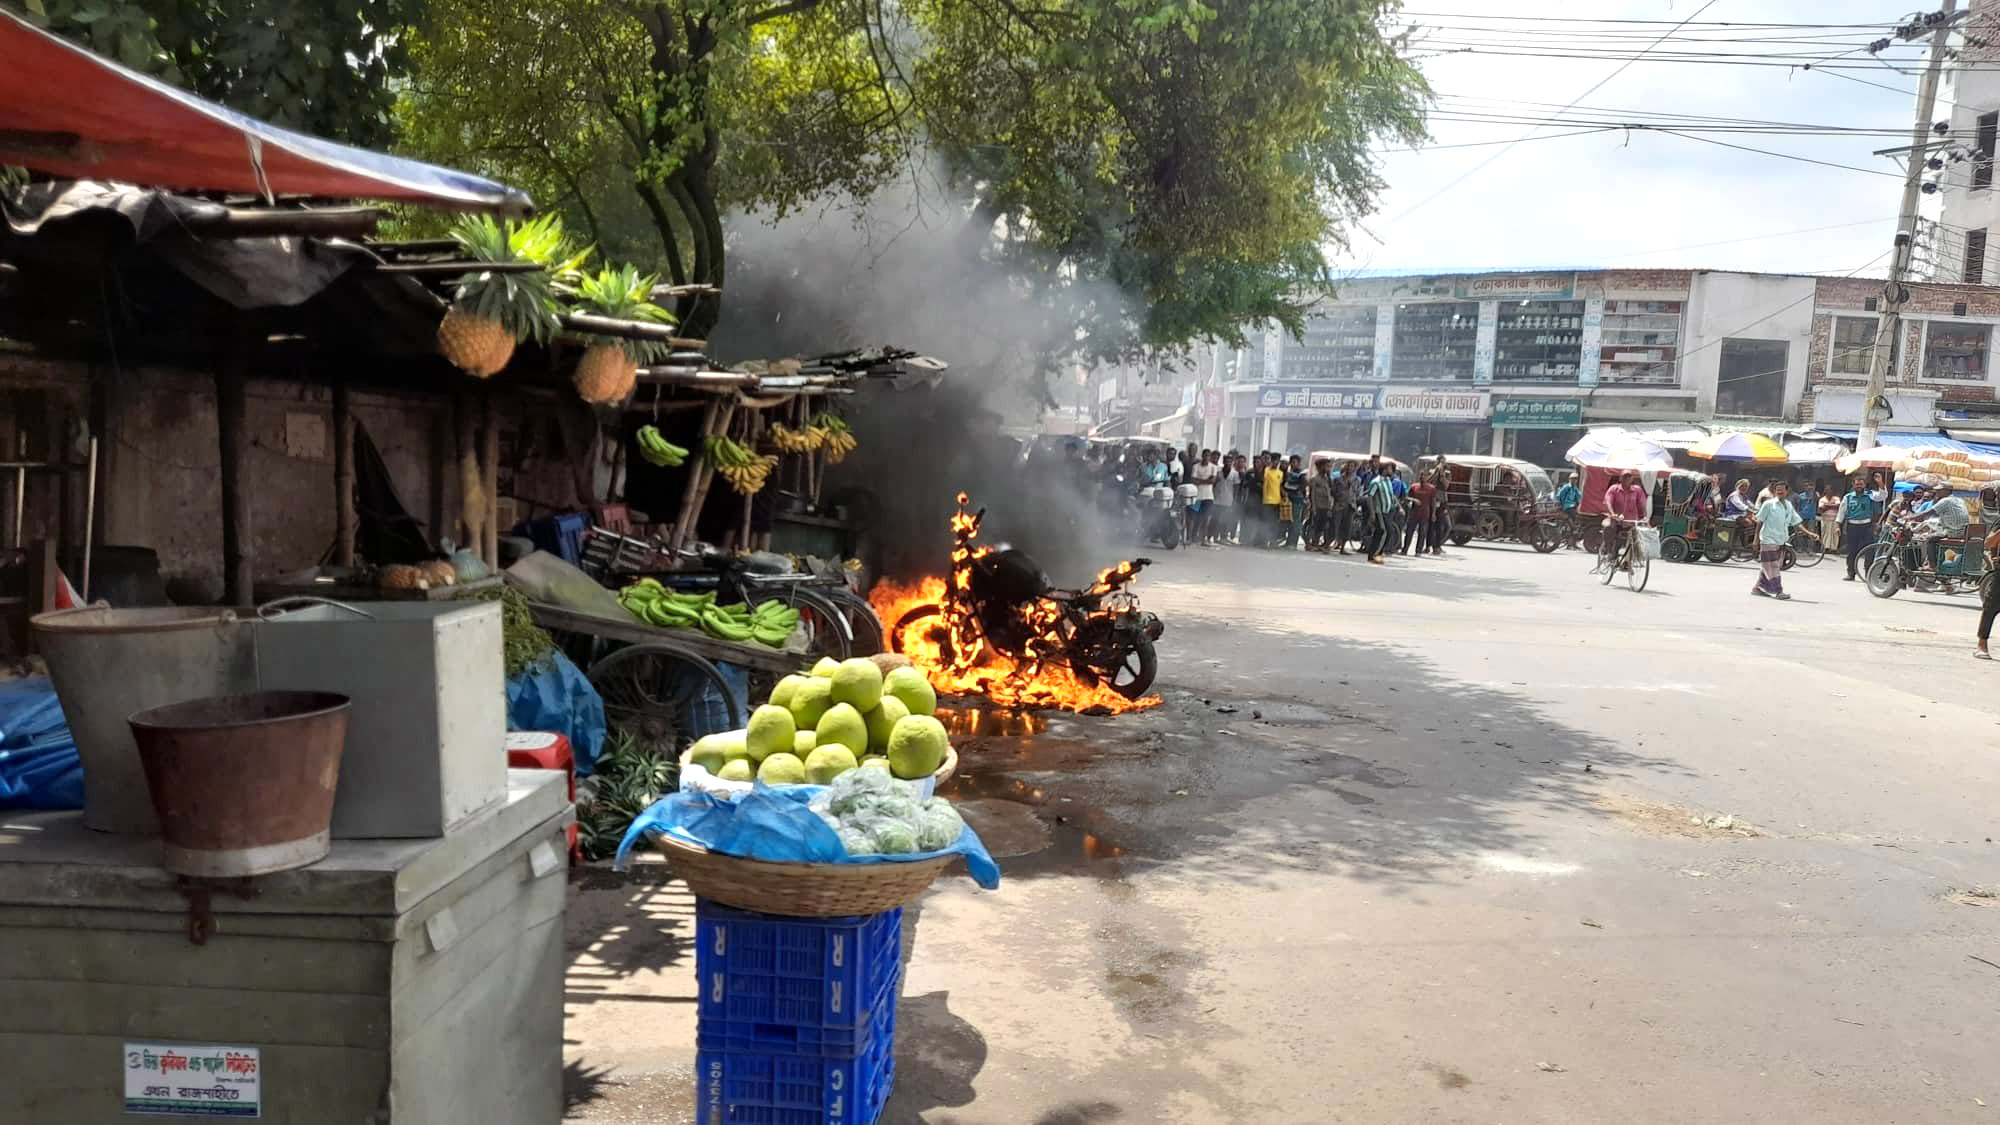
[
  {"x": 767, "y": 1088},
  {"x": 804, "y": 985}
]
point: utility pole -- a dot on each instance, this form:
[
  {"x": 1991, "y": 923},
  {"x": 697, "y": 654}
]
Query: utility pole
[{"x": 1897, "y": 292}]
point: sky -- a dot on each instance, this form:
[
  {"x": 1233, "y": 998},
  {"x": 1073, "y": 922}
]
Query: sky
[{"x": 1638, "y": 199}]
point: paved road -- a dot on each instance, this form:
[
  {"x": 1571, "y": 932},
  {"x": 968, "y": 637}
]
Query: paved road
[{"x": 1474, "y": 839}]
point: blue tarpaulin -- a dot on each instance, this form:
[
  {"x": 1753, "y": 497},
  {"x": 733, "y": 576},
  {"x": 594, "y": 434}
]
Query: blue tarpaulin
[
  {"x": 39, "y": 767},
  {"x": 1906, "y": 440},
  {"x": 556, "y": 696}
]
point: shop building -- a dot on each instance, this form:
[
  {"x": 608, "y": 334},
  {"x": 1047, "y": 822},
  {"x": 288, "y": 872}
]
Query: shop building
[
  {"x": 1941, "y": 376},
  {"x": 1521, "y": 363}
]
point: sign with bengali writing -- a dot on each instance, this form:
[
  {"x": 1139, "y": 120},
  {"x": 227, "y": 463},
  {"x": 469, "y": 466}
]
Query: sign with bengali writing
[
  {"x": 1312, "y": 400},
  {"x": 1430, "y": 405},
  {"x": 1211, "y": 402},
  {"x": 1517, "y": 287},
  {"x": 164, "y": 1080},
  {"x": 1538, "y": 413}
]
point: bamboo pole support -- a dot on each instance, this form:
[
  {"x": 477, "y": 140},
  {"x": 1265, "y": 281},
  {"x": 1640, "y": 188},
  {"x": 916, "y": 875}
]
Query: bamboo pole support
[
  {"x": 489, "y": 472},
  {"x": 343, "y": 475}
]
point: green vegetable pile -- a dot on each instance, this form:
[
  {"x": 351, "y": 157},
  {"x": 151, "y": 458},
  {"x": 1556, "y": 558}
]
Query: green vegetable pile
[
  {"x": 524, "y": 643},
  {"x": 875, "y": 814}
]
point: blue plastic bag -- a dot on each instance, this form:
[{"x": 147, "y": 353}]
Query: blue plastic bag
[
  {"x": 772, "y": 822},
  {"x": 556, "y": 696},
  {"x": 39, "y": 765}
]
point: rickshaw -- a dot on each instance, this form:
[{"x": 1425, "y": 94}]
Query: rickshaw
[
  {"x": 1496, "y": 498},
  {"x": 1962, "y": 560}
]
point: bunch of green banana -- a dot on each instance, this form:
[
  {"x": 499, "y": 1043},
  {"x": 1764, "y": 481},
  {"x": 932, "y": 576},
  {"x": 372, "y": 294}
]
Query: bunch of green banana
[
  {"x": 654, "y": 604},
  {"x": 769, "y": 623},
  {"x": 657, "y": 450},
  {"x": 839, "y": 440},
  {"x": 745, "y": 471}
]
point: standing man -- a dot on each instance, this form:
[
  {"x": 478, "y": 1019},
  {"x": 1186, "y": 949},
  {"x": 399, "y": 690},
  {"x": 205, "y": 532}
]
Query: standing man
[
  {"x": 1379, "y": 498},
  {"x": 1423, "y": 498},
  {"x": 1775, "y": 520},
  {"x": 1346, "y": 494},
  {"x": 1319, "y": 504},
  {"x": 1858, "y": 510},
  {"x": 1295, "y": 501},
  {"x": 1222, "y": 516},
  {"x": 1569, "y": 496},
  {"x": 1204, "y": 474},
  {"x": 1273, "y": 484}
]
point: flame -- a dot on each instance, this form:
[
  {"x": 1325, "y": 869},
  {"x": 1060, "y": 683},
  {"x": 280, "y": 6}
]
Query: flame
[{"x": 1043, "y": 681}]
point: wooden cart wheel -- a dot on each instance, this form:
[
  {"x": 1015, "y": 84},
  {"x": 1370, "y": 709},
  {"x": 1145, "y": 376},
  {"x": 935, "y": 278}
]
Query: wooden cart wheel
[{"x": 666, "y": 694}]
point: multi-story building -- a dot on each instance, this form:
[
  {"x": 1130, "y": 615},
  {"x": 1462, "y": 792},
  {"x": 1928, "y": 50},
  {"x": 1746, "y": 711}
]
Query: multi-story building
[
  {"x": 1957, "y": 245},
  {"x": 1519, "y": 363}
]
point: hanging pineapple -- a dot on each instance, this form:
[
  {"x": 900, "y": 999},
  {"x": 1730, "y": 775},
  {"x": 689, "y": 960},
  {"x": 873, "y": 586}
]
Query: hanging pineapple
[
  {"x": 610, "y": 368},
  {"x": 492, "y": 311}
]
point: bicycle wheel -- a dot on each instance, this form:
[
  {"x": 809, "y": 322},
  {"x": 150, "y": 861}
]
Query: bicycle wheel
[
  {"x": 862, "y": 624},
  {"x": 665, "y": 693},
  {"x": 1641, "y": 568},
  {"x": 827, "y": 631},
  {"x": 1808, "y": 548},
  {"x": 1607, "y": 562}
]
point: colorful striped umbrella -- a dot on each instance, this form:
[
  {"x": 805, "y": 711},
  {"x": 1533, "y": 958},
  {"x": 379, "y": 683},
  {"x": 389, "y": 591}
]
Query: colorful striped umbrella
[{"x": 1742, "y": 446}]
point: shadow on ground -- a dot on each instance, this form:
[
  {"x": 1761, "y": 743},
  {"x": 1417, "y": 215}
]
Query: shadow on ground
[{"x": 1400, "y": 776}]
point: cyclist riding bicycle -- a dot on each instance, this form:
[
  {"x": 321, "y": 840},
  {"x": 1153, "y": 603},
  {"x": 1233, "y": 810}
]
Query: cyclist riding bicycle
[{"x": 1625, "y": 508}]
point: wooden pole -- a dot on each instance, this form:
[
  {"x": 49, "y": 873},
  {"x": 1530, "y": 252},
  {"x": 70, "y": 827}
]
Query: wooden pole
[
  {"x": 343, "y": 476},
  {"x": 471, "y": 501},
  {"x": 752, "y": 428},
  {"x": 716, "y": 421},
  {"x": 239, "y": 562},
  {"x": 489, "y": 456}
]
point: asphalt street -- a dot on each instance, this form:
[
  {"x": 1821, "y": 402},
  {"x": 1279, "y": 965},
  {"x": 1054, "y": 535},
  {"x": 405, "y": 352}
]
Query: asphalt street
[{"x": 1466, "y": 839}]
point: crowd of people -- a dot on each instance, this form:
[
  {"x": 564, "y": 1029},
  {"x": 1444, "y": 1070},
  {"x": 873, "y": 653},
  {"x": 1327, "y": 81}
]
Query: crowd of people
[{"x": 1275, "y": 501}]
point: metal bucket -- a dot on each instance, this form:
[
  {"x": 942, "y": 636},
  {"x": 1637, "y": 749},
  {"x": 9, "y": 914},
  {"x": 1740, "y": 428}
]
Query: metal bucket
[
  {"x": 108, "y": 663},
  {"x": 244, "y": 784}
]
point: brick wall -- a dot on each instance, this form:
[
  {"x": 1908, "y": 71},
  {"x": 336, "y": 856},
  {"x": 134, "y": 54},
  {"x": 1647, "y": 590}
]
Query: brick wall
[{"x": 1615, "y": 280}]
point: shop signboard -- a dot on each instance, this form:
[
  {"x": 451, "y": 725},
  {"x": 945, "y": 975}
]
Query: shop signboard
[
  {"x": 164, "y": 1080},
  {"x": 1315, "y": 401},
  {"x": 1485, "y": 343},
  {"x": 1385, "y": 339},
  {"x": 1433, "y": 405},
  {"x": 1211, "y": 402},
  {"x": 1537, "y": 413},
  {"x": 1518, "y": 287},
  {"x": 1593, "y": 343}
]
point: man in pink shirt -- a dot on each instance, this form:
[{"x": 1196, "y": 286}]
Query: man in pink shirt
[{"x": 1626, "y": 503}]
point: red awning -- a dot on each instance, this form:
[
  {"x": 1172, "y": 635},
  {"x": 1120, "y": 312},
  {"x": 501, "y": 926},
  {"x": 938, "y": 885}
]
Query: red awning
[{"x": 67, "y": 112}]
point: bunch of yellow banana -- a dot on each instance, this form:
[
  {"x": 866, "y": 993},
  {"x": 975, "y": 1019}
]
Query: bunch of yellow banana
[
  {"x": 745, "y": 471},
  {"x": 657, "y": 450},
  {"x": 839, "y": 440},
  {"x": 796, "y": 441}
]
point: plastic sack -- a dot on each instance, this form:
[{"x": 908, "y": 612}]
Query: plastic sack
[
  {"x": 39, "y": 765},
  {"x": 546, "y": 578},
  {"x": 776, "y": 823},
  {"x": 1649, "y": 542},
  {"x": 554, "y": 695}
]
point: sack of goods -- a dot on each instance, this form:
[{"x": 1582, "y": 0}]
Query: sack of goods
[{"x": 1649, "y": 542}]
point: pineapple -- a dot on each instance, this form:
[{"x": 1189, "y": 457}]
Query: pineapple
[
  {"x": 609, "y": 369},
  {"x": 492, "y": 311}
]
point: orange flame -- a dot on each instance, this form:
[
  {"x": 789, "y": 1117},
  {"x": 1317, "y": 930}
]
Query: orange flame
[{"x": 976, "y": 668}]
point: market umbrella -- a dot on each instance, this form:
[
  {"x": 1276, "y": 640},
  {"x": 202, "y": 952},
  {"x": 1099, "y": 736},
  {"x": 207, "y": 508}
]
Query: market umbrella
[
  {"x": 1755, "y": 448},
  {"x": 1880, "y": 457},
  {"x": 1596, "y": 443},
  {"x": 1632, "y": 453}
]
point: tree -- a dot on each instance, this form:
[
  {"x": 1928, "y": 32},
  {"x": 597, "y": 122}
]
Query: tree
[
  {"x": 322, "y": 68},
  {"x": 607, "y": 108},
  {"x": 1195, "y": 158}
]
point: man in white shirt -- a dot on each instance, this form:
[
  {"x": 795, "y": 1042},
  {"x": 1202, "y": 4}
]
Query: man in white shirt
[
  {"x": 1228, "y": 481},
  {"x": 1203, "y": 475}
]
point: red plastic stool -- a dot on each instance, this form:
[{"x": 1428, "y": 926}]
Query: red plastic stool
[{"x": 544, "y": 750}]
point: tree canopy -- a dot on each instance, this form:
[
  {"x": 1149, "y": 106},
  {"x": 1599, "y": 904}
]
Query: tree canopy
[{"x": 1198, "y": 157}]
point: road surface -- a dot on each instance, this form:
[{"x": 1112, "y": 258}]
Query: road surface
[{"x": 1474, "y": 839}]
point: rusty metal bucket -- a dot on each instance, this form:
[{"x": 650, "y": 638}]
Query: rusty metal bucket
[{"x": 243, "y": 784}]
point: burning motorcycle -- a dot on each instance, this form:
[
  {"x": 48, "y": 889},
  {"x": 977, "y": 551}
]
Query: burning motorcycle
[{"x": 999, "y": 609}]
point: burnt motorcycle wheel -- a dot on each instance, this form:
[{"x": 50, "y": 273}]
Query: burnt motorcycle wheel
[
  {"x": 924, "y": 620},
  {"x": 1122, "y": 660}
]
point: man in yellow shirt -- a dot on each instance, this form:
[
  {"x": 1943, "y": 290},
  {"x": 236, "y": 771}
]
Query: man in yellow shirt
[{"x": 1274, "y": 499}]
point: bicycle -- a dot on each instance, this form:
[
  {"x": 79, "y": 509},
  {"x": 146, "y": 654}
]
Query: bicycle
[
  {"x": 1614, "y": 558},
  {"x": 1806, "y": 549}
]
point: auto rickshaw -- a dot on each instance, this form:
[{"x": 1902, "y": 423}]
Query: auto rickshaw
[{"x": 1497, "y": 498}]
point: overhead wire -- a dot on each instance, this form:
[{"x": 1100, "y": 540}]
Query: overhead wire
[{"x": 1475, "y": 169}]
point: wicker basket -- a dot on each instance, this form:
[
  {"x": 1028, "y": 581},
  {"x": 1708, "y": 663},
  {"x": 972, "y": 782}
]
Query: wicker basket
[{"x": 799, "y": 890}]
